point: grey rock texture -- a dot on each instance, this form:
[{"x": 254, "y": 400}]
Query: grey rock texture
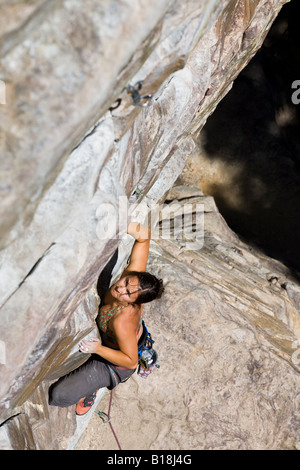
[{"x": 67, "y": 158}]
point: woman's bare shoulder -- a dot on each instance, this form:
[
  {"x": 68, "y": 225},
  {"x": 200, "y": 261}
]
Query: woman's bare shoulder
[{"x": 129, "y": 313}]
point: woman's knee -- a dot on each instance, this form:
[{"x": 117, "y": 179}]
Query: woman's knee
[{"x": 59, "y": 396}]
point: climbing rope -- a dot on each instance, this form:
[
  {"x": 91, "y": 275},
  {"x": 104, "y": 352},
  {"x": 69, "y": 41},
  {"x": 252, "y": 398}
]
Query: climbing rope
[{"x": 107, "y": 419}]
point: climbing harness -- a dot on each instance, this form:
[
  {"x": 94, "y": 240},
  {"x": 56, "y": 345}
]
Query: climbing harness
[
  {"x": 147, "y": 359},
  {"x": 115, "y": 379},
  {"x": 147, "y": 355}
]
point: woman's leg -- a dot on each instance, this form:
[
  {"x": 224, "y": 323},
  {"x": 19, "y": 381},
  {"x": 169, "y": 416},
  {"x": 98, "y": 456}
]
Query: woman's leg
[
  {"x": 84, "y": 381},
  {"x": 79, "y": 383}
]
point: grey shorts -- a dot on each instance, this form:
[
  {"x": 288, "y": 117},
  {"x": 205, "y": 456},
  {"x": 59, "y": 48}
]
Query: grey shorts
[{"x": 85, "y": 380}]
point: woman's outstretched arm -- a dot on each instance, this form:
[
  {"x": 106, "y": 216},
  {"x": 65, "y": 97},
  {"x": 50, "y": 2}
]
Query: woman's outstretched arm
[{"x": 140, "y": 250}]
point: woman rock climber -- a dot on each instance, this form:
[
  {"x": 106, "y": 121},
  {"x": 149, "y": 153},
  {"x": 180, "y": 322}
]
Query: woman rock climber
[{"x": 115, "y": 358}]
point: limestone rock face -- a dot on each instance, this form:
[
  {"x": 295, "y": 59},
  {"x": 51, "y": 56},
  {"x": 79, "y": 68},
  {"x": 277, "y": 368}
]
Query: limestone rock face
[{"x": 70, "y": 154}]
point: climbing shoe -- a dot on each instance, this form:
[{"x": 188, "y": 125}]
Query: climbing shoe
[{"x": 85, "y": 404}]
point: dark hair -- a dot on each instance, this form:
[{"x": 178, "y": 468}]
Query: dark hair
[{"x": 152, "y": 287}]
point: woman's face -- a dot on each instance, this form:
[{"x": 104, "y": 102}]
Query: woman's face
[{"x": 126, "y": 289}]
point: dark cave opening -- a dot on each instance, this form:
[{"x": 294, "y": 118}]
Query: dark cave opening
[{"x": 256, "y": 127}]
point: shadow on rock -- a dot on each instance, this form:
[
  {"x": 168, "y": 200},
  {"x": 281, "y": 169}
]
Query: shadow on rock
[{"x": 256, "y": 129}]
